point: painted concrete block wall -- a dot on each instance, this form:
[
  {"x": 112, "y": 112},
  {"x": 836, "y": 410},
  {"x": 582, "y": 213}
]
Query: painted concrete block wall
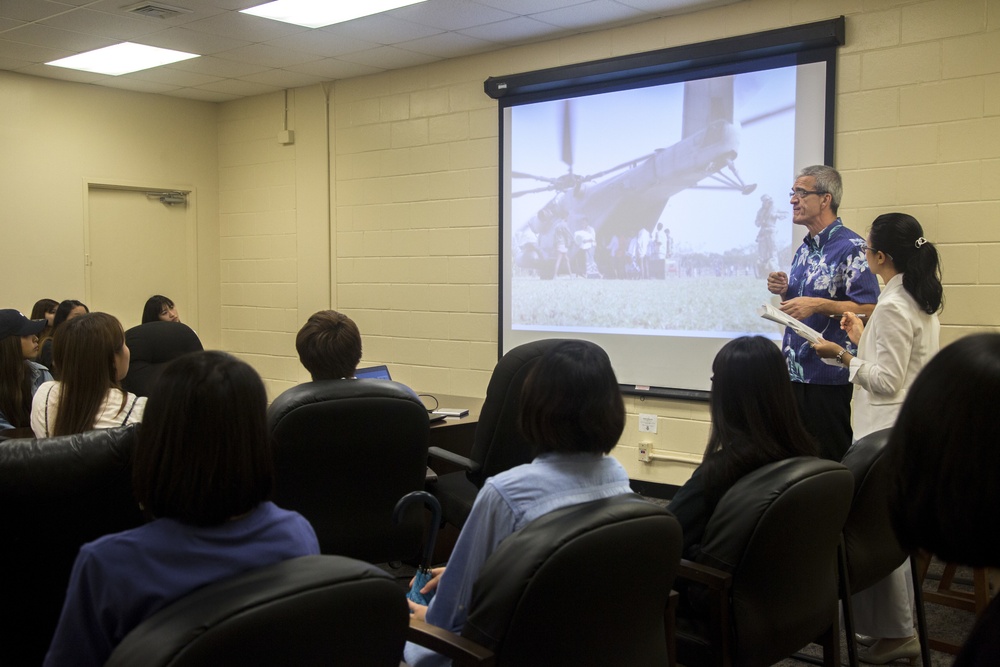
[
  {"x": 55, "y": 137},
  {"x": 274, "y": 227},
  {"x": 416, "y": 161}
]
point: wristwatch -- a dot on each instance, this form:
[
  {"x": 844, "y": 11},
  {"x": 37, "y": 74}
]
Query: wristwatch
[{"x": 840, "y": 357}]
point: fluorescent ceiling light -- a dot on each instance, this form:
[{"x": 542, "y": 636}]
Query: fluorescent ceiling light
[
  {"x": 122, "y": 59},
  {"x": 318, "y": 13}
]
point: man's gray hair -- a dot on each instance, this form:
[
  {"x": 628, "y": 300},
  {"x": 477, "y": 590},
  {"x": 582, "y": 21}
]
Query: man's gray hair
[{"x": 827, "y": 180}]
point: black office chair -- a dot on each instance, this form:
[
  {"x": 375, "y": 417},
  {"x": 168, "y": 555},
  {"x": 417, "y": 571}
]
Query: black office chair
[
  {"x": 56, "y": 494},
  {"x": 345, "y": 452},
  {"x": 309, "y": 611},
  {"x": 498, "y": 444},
  {"x": 587, "y": 584},
  {"x": 152, "y": 346},
  {"x": 765, "y": 584},
  {"x": 870, "y": 550}
]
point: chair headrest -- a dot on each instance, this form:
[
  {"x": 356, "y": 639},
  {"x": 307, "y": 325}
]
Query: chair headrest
[
  {"x": 742, "y": 509},
  {"x": 863, "y": 454},
  {"x": 297, "y": 610},
  {"x": 322, "y": 391},
  {"x": 510, "y": 570},
  {"x": 159, "y": 342},
  {"x": 60, "y": 465}
]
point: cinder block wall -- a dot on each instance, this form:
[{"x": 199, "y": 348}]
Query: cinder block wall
[{"x": 413, "y": 179}]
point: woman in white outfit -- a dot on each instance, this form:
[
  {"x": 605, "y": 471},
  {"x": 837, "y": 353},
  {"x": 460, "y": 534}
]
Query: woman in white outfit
[
  {"x": 92, "y": 357},
  {"x": 901, "y": 337}
]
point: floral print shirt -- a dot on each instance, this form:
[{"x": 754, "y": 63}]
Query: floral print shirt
[{"x": 830, "y": 266}]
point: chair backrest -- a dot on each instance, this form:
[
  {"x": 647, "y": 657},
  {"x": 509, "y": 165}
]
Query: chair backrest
[
  {"x": 498, "y": 444},
  {"x": 55, "y": 495},
  {"x": 777, "y": 531},
  {"x": 345, "y": 452},
  {"x": 314, "y": 610},
  {"x": 872, "y": 550},
  {"x": 152, "y": 346},
  {"x": 586, "y": 584}
]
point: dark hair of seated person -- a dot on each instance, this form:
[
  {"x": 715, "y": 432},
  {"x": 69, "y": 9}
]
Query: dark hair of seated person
[
  {"x": 153, "y": 307},
  {"x": 945, "y": 451},
  {"x": 86, "y": 350},
  {"x": 571, "y": 401},
  {"x": 203, "y": 455},
  {"x": 15, "y": 383},
  {"x": 329, "y": 345},
  {"x": 64, "y": 309},
  {"x": 755, "y": 419}
]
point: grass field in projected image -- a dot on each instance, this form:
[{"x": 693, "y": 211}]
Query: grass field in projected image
[{"x": 724, "y": 303}]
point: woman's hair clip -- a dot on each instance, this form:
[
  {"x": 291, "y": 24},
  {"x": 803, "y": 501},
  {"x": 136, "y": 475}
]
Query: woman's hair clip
[{"x": 919, "y": 242}]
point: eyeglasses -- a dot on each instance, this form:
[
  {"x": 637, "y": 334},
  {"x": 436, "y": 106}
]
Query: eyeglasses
[
  {"x": 865, "y": 248},
  {"x": 800, "y": 194}
]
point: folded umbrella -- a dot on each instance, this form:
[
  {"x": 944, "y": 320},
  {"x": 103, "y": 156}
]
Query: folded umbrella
[{"x": 423, "y": 574}]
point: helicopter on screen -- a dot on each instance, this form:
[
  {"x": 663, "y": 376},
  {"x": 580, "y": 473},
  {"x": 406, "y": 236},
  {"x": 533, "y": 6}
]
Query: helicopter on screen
[{"x": 625, "y": 198}]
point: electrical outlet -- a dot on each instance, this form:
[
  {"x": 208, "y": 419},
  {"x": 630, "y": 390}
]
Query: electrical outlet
[{"x": 644, "y": 453}]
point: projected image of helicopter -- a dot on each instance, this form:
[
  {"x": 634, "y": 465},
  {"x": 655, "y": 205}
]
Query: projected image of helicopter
[{"x": 612, "y": 206}]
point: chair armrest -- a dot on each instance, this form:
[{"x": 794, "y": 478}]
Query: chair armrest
[
  {"x": 718, "y": 584},
  {"x": 460, "y": 650},
  {"x": 717, "y": 580},
  {"x": 463, "y": 462}
]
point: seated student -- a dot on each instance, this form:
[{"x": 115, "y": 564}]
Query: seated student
[
  {"x": 946, "y": 489},
  {"x": 755, "y": 421},
  {"x": 66, "y": 310},
  {"x": 329, "y": 346},
  {"x": 20, "y": 377},
  {"x": 159, "y": 308},
  {"x": 203, "y": 472},
  {"x": 45, "y": 309},
  {"x": 572, "y": 410},
  {"x": 92, "y": 356}
]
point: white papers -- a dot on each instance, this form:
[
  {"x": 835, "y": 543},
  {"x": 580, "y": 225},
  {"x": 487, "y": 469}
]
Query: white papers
[{"x": 769, "y": 312}]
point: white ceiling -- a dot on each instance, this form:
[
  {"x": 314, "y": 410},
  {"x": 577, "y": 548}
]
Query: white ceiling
[{"x": 244, "y": 55}]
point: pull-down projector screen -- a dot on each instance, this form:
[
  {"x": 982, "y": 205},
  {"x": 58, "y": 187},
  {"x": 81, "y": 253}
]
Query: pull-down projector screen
[{"x": 644, "y": 212}]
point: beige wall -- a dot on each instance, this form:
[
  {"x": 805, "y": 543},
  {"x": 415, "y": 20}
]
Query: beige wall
[
  {"x": 385, "y": 205},
  {"x": 55, "y": 138}
]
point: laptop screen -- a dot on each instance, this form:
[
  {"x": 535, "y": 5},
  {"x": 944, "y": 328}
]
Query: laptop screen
[{"x": 373, "y": 373}]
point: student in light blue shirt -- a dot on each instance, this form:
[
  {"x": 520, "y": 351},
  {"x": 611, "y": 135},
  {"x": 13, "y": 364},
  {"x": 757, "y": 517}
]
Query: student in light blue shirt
[{"x": 572, "y": 410}]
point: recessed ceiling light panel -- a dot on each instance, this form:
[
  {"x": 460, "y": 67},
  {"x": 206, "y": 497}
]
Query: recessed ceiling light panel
[
  {"x": 122, "y": 59},
  {"x": 319, "y": 13}
]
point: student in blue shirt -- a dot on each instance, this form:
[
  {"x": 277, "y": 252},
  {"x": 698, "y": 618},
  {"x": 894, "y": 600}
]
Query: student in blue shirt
[
  {"x": 572, "y": 410},
  {"x": 203, "y": 472}
]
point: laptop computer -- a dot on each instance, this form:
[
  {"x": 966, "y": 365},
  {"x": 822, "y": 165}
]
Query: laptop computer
[
  {"x": 382, "y": 373},
  {"x": 373, "y": 373}
]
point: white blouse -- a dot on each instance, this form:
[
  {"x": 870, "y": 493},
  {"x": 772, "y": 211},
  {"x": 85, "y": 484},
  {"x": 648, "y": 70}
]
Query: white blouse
[
  {"x": 45, "y": 405},
  {"x": 896, "y": 344}
]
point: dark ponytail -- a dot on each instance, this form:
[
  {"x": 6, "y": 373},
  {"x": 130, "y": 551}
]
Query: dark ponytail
[{"x": 901, "y": 237}]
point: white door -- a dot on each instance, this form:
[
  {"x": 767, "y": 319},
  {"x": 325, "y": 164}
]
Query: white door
[{"x": 138, "y": 247}]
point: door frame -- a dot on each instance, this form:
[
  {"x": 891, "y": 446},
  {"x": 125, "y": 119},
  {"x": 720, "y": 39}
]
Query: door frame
[{"x": 190, "y": 232}]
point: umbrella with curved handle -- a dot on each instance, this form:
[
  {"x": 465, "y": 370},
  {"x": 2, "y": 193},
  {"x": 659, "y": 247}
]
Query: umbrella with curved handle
[{"x": 423, "y": 574}]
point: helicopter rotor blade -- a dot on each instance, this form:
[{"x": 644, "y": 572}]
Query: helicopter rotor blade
[
  {"x": 623, "y": 165},
  {"x": 521, "y": 174},
  {"x": 567, "y": 135},
  {"x": 766, "y": 115},
  {"x": 547, "y": 188}
]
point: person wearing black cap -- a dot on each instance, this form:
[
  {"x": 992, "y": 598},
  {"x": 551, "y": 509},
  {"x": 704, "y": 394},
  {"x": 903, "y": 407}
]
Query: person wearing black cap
[{"x": 20, "y": 377}]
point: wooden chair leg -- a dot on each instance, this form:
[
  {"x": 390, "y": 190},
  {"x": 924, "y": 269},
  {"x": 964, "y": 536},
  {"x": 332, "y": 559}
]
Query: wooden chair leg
[{"x": 945, "y": 595}]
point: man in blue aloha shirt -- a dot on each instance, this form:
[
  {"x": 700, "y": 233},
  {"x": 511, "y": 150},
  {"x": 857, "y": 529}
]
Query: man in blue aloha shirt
[{"x": 829, "y": 276}]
